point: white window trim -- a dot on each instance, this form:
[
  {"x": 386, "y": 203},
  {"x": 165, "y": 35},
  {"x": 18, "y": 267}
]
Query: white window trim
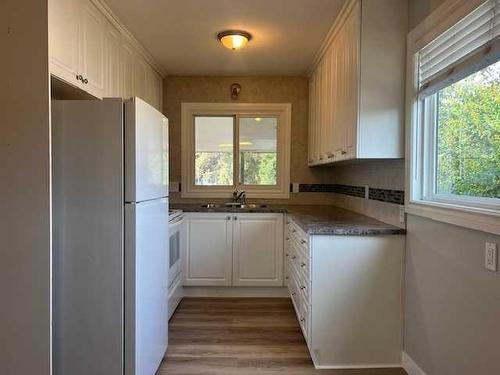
[
  {"x": 280, "y": 110},
  {"x": 483, "y": 216}
]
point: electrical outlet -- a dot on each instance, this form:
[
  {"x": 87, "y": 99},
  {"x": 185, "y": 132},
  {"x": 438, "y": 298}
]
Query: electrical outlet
[
  {"x": 295, "y": 187},
  {"x": 490, "y": 256}
]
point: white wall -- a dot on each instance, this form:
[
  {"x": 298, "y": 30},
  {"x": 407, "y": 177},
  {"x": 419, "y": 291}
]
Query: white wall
[
  {"x": 24, "y": 189},
  {"x": 452, "y": 303}
]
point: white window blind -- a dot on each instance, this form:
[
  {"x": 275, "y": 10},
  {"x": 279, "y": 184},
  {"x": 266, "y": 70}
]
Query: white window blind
[{"x": 469, "y": 45}]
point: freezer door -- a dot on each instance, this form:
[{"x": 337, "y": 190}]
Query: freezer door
[
  {"x": 146, "y": 291},
  {"x": 146, "y": 152}
]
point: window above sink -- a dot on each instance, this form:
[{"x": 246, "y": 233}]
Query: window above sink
[{"x": 228, "y": 146}]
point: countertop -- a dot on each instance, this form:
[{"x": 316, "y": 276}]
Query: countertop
[{"x": 314, "y": 220}]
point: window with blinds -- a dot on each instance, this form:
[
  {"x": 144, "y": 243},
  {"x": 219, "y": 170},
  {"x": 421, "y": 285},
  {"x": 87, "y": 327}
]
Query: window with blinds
[
  {"x": 456, "y": 130},
  {"x": 468, "y": 46}
]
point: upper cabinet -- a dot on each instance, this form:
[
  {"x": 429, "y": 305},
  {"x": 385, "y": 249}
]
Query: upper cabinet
[
  {"x": 90, "y": 51},
  {"x": 356, "y": 88}
]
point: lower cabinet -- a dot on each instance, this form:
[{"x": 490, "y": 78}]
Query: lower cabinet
[
  {"x": 347, "y": 294},
  {"x": 224, "y": 249},
  {"x": 258, "y": 249},
  {"x": 209, "y": 249}
]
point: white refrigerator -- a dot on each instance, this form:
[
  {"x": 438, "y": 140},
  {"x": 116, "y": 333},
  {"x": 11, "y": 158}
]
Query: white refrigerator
[{"x": 110, "y": 237}]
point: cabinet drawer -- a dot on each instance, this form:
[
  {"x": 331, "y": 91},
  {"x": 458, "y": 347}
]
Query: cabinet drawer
[
  {"x": 294, "y": 232},
  {"x": 299, "y": 260}
]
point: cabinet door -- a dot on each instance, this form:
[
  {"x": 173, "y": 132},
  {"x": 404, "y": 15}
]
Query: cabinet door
[
  {"x": 63, "y": 39},
  {"x": 141, "y": 78},
  {"x": 208, "y": 259},
  {"x": 113, "y": 67},
  {"x": 353, "y": 37},
  {"x": 127, "y": 62},
  {"x": 92, "y": 52},
  {"x": 258, "y": 249}
]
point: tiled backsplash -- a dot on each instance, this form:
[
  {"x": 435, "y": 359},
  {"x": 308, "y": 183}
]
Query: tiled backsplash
[{"x": 382, "y": 195}]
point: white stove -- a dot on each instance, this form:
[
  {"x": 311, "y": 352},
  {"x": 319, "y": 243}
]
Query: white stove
[{"x": 176, "y": 234}]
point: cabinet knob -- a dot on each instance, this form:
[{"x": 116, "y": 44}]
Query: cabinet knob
[
  {"x": 302, "y": 264},
  {"x": 343, "y": 152},
  {"x": 302, "y": 287},
  {"x": 302, "y": 241},
  {"x": 228, "y": 217},
  {"x": 85, "y": 81},
  {"x": 293, "y": 293},
  {"x": 286, "y": 277},
  {"x": 294, "y": 257},
  {"x": 302, "y": 319},
  {"x": 235, "y": 218},
  {"x": 79, "y": 77}
]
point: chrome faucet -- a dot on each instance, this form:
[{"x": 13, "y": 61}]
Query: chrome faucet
[{"x": 239, "y": 197}]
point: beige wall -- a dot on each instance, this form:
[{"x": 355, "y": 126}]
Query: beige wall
[
  {"x": 263, "y": 89},
  {"x": 24, "y": 189}
]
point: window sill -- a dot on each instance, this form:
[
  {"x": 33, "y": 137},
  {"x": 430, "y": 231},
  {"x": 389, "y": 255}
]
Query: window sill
[{"x": 473, "y": 218}]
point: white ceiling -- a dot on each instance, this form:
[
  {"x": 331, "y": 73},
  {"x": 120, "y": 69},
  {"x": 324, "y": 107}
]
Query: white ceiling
[{"x": 181, "y": 34}]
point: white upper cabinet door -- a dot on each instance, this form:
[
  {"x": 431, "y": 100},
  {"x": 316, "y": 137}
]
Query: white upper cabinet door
[
  {"x": 113, "y": 66},
  {"x": 127, "y": 63},
  {"x": 146, "y": 152},
  {"x": 93, "y": 35},
  {"x": 208, "y": 257},
  {"x": 141, "y": 78},
  {"x": 158, "y": 91},
  {"x": 63, "y": 40},
  {"x": 153, "y": 88},
  {"x": 353, "y": 44},
  {"x": 257, "y": 249}
]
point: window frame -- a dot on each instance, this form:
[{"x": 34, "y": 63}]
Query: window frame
[
  {"x": 471, "y": 212},
  {"x": 281, "y": 111}
]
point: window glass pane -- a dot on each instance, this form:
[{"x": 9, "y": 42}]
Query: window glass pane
[
  {"x": 258, "y": 150},
  {"x": 213, "y": 150},
  {"x": 468, "y": 136}
]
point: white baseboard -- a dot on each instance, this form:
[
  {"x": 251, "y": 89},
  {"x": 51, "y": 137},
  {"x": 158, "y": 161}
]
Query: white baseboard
[
  {"x": 234, "y": 292},
  {"x": 410, "y": 366},
  {"x": 348, "y": 367}
]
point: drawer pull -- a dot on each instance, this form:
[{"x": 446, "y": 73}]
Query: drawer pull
[
  {"x": 288, "y": 238},
  {"x": 287, "y": 255},
  {"x": 302, "y": 319},
  {"x": 286, "y": 277},
  {"x": 293, "y": 293},
  {"x": 302, "y": 241},
  {"x": 302, "y": 264},
  {"x": 302, "y": 287},
  {"x": 294, "y": 257},
  {"x": 293, "y": 230}
]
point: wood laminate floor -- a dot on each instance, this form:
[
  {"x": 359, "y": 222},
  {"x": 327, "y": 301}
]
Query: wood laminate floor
[{"x": 241, "y": 336}]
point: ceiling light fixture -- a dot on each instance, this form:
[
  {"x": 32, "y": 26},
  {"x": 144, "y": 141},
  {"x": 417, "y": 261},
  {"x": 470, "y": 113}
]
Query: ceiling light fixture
[{"x": 234, "y": 39}]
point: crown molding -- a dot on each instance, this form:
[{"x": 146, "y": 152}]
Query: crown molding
[{"x": 118, "y": 24}]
